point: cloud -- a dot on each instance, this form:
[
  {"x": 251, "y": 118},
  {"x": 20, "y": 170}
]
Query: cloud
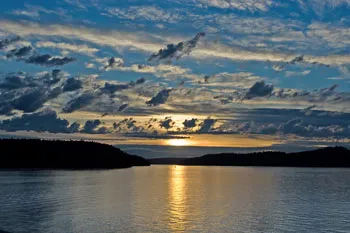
[
  {"x": 122, "y": 107},
  {"x": 91, "y": 126},
  {"x": 23, "y": 92},
  {"x": 54, "y": 77},
  {"x": 113, "y": 63},
  {"x": 177, "y": 51},
  {"x": 206, "y": 125},
  {"x": 8, "y": 41},
  {"x": 128, "y": 125},
  {"x": 160, "y": 98},
  {"x": 31, "y": 14},
  {"x": 151, "y": 43},
  {"x": 21, "y": 52},
  {"x": 15, "y": 81},
  {"x": 30, "y": 101},
  {"x": 278, "y": 68},
  {"x": 293, "y": 73},
  {"x": 19, "y": 91},
  {"x": 244, "y": 5},
  {"x": 325, "y": 95},
  {"x": 111, "y": 88},
  {"x": 241, "y": 80},
  {"x": 79, "y": 102},
  {"x": 33, "y": 11},
  {"x": 76, "y": 3},
  {"x": 140, "y": 81},
  {"x": 190, "y": 123},
  {"x": 237, "y": 54},
  {"x": 72, "y": 84},
  {"x": 259, "y": 89},
  {"x": 84, "y": 49},
  {"x": 168, "y": 72},
  {"x": 48, "y": 60},
  {"x": 150, "y": 13},
  {"x": 167, "y": 123},
  {"x": 44, "y": 121},
  {"x": 89, "y": 65},
  {"x": 113, "y": 38}
]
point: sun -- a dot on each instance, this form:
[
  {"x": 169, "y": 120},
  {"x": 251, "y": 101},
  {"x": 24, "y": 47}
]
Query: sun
[{"x": 178, "y": 142}]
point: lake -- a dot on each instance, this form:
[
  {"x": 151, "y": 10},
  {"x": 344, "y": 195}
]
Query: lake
[{"x": 176, "y": 199}]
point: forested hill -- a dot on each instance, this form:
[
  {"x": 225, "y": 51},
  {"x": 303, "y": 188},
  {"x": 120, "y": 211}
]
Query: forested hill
[
  {"x": 45, "y": 154},
  {"x": 326, "y": 157}
]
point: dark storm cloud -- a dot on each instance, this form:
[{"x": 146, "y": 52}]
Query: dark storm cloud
[
  {"x": 79, "y": 102},
  {"x": 259, "y": 89},
  {"x": 21, "y": 52},
  {"x": 8, "y": 41},
  {"x": 160, "y": 98},
  {"x": 177, "y": 51},
  {"x": 48, "y": 60},
  {"x": 44, "y": 121},
  {"x": 190, "y": 123},
  {"x": 72, "y": 84}
]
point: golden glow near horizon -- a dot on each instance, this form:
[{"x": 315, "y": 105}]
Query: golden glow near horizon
[
  {"x": 178, "y": 142},
  {"x": 202, "y": 140},
  {"x": 207, "y": 140}
]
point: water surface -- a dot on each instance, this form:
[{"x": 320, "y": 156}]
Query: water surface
[{"x": 176, "y": 199}]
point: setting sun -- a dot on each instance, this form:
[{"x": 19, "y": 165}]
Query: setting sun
[{"x": 178, "y": 142}]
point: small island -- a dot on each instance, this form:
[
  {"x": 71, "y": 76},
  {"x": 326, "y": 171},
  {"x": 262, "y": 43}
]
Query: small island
[
  {"x": 70, "y": 155},
  {"x": 325, "y": 157}
]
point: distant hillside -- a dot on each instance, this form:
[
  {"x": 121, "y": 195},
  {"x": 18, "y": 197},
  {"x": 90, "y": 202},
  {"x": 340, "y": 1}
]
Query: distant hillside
[
  {"x": 166, "y": 160},
  {"x": 326, "y": 157},
  {"x": 44, "y": 154}
]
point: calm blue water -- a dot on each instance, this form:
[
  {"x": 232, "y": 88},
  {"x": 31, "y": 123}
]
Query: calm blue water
[{"x": 176, "y": 199}]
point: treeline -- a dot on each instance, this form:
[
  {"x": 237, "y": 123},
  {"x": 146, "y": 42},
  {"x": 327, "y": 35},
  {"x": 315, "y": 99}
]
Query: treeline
[
  {"x": 326, "y": 157},
  {"x": 56, "y": 154}
]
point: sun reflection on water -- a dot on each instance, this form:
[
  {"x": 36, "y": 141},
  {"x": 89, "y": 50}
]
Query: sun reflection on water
[{"x": 177, "y": 211}]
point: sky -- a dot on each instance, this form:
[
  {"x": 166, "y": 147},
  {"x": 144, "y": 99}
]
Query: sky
[{"x": 177, "y": 77}]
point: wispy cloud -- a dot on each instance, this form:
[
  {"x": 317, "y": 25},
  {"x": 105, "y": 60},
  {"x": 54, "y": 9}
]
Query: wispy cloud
[
  {"x": 151, "y": 13},
  {"x": 84, "y": 49}
]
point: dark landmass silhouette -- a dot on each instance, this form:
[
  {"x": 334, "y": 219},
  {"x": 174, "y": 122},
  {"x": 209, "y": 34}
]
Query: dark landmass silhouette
[
  {"x": 76, "y": 155},
  {"x": 166, "y": 161},
  {"x": 325, "y": 157}
]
